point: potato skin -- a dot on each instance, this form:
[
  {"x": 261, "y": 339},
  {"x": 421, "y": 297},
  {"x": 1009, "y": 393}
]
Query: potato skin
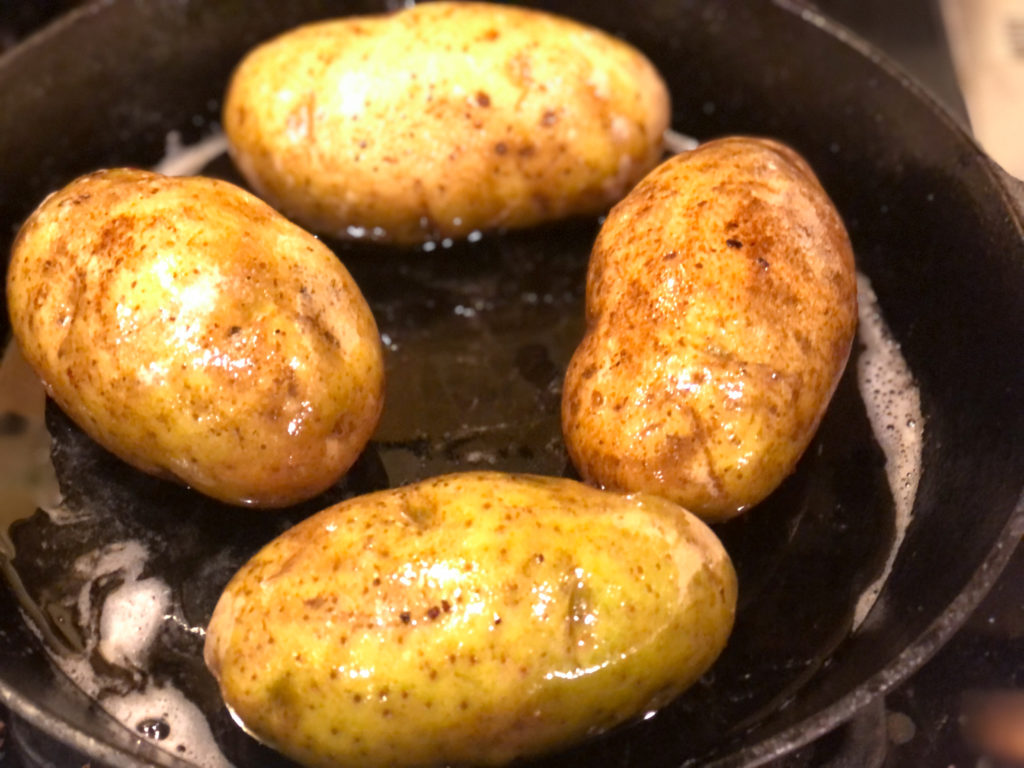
[
  {"x": 442, "y": 119},
  {"x": 197, "y": 334},
  {"x": 468, "y": 619},
  {"x": 721, "y": 306}
]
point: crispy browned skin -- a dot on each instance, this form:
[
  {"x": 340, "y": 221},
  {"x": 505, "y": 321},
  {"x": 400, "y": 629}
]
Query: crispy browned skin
[
  {"x": 197, "y": 334},
  {"x": 468, "y": 619},
  {"x": 443, "y": 119},
  {"x": 721, "y": 306}
]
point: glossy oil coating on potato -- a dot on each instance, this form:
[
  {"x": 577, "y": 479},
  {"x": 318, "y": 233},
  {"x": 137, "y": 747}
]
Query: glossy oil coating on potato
[
  {"x": 468, "y": 619},
  {"x": 443, "y": 119},
  {"x": 721, "y": 306},
  {"x": 197, "y": 334}
]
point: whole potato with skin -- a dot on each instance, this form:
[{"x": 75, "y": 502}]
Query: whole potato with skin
[
  {"x": 468, "y": 619},
  {"x": 193, "y": 331},
  {"x": 442, "y": 119},
  {"x": 721, "y": 306}
]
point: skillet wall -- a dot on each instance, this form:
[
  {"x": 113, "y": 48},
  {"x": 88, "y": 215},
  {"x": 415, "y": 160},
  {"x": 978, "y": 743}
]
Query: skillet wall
[{"x": 927, "y": 215}]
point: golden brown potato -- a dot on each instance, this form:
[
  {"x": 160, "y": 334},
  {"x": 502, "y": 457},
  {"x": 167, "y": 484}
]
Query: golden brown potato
[
  {"x": 468, "y": 619},
  {"x": 197, "y": 334},
  {"x": 721, "y": 306},
  {"x": 442, "y": 119}
]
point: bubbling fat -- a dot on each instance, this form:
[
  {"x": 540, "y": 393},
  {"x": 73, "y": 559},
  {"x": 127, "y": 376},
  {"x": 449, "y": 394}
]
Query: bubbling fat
[
  {"x": 893, "y": 404},
  {"x": 122, "y": 630}
]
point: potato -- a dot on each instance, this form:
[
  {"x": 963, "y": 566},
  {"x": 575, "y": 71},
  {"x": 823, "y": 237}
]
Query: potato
[
  {"x": 194, "y": 332},
  {"x": 442, "y": 119},
  {"x": 721, "y": 306},
  {"x": 468, "y": 619}
]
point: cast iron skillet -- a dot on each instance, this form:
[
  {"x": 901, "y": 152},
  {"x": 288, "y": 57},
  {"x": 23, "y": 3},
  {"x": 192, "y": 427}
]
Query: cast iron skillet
[{"x": 479, "y": 336}]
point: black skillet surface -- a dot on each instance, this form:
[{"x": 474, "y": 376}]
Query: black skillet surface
[{"x": 479, "y": 335}]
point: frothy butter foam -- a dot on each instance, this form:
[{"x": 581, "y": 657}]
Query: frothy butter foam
[
  {"x": 893, "y": 404},
  {"x": 122, "y": 629},
  {"x": 131, "y": 617}
]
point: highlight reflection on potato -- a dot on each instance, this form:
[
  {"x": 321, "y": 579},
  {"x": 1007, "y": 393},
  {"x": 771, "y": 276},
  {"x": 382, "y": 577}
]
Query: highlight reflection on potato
[
  {"x": 721, "y": 307},
  {"x": 197, "y": 334},
  {"x": 469, "y": 619},
  {"x": 442, "y": 119}
]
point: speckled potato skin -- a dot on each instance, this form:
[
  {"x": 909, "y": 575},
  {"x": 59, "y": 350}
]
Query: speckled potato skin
[
  {"x": 197, "y": 334},
  {"x": 442, "y": 119},
  {"x": 721, "y": 306},
  {"x": 469, "y": 619}
]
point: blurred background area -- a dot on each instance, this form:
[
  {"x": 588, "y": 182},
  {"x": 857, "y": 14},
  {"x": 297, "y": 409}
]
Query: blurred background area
[
  {"x": 980, "y": 79},
  {"x": 986, "y": 38},
  {"x": 18, "y": 17}
]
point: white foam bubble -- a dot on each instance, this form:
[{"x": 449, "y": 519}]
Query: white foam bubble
[
  {"x": 893, "y": 405},
  {"x": 188, "y": 733},
  {"x": 131, "y": 617},
  {"x": 126, "y": 558}
]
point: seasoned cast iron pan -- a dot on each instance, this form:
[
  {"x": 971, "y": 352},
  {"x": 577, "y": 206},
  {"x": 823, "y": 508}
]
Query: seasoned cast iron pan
[{"x": 478, "y": 338}]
